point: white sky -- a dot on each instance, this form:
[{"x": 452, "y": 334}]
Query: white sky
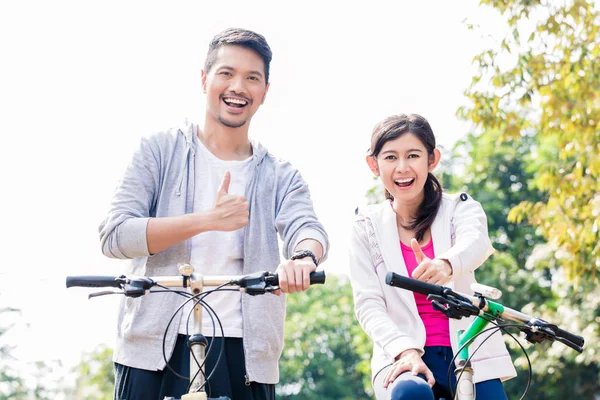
[{"x": 80, "y": 82}]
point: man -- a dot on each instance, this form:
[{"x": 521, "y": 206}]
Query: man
[{"x": 215, "y": 199}]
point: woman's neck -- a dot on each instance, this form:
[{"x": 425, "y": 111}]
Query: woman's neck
[{"x": 406, "y": 211}]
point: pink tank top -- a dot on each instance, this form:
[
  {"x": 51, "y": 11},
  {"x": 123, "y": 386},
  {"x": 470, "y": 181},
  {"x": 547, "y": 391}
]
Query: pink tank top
[{"x": 436, "y": 324}]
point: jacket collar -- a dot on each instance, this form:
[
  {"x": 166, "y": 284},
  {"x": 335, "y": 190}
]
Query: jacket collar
[
  {"x": 383, "y": 218},
  {"x": 190, "y": 131},
  {"x": 385, "y": 227}
]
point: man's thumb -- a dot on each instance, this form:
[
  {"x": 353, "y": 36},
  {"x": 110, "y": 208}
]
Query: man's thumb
[
  {"x": 417, "y": 250},
  {"x": 225, "y": 184}
]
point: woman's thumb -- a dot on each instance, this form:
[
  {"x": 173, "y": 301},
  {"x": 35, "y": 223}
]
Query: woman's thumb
[{"x": 417, "y": 250}]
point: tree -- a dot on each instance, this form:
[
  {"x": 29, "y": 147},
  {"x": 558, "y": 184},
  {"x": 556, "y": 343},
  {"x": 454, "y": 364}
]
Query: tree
[
  {"x": 326, "y": 353},
  {"x": 95, "y": 375},
  {"x": 543, "y": 94},
  {"x": 20, "y": 381},
  {"x": 547, "y": 87},
  {"x": 12, "y": 386},
  {"x": 495, "y": 172}
]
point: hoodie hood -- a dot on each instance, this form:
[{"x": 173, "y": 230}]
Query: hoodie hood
[{"x": 190, "y": 133}]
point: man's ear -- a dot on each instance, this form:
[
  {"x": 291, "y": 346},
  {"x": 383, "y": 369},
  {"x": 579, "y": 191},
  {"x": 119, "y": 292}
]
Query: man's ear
[
  {"x": 372, "y": 163},
  {"x": 265, "y": 95},
  {"x": 435, "y": 160},
  {"x": 203, "y": 82}
]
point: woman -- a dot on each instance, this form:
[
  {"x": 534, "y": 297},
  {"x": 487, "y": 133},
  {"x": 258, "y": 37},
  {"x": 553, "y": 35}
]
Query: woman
[{"x": 435, "y": 237}]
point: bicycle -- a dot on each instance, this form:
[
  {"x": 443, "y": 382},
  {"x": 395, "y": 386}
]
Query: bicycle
[
  {"x": 135, "y": 286},
  {"x": 458, "y": 305}
]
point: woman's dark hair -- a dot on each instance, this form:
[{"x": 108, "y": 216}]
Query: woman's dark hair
[
  {"x": 392, "y": 128},
  {"x": 240, "y": 37}
]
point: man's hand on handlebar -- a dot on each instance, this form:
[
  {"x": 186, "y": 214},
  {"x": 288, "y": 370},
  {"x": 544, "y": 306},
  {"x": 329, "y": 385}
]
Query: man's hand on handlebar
[{"x": 294, "y": 275}]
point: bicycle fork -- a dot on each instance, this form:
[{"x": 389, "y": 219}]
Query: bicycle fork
[{"x": 465, "y": 389}]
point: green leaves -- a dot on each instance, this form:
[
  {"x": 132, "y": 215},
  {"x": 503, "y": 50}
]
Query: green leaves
[
  {"x": 551, "y": 92},
  {"x": 535, "y": 167},
  {"x": 95, "y": 375}
]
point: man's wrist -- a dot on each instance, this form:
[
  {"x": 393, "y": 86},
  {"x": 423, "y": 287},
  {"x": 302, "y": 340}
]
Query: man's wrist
[{"x": 299, "y": 254}]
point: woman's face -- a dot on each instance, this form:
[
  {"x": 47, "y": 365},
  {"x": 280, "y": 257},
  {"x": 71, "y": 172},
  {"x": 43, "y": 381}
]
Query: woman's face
[{"x": 403, "y": 165}]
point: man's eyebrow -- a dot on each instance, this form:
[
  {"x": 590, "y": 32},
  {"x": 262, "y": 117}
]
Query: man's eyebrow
[
  {"x": 256, "y": 73},
  {"x": 228, "y": 68}
]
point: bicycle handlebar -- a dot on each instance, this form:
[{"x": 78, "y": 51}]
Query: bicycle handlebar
[
  {"x": 246, "y": 281},
  {"x": 577, "y": 340},
  {"x": 574, "y": 341},
  {"x": 413, "y": 285},
  {"x": 316, "y": 278},
  {"x": 94, "y": 281}
]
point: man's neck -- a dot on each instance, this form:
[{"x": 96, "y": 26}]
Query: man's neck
[{"x": 226, "y": 143}]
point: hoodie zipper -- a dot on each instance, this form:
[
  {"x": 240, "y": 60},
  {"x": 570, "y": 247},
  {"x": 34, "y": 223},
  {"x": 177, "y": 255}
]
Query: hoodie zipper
[{"x": 251, "y": 184}]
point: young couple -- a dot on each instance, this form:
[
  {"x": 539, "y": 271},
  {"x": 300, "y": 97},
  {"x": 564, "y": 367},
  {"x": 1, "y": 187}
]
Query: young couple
[{"x": 209, "y": 196}]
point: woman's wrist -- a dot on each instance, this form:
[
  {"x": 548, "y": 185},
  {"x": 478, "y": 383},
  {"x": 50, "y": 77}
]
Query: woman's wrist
[
  {"x": 406, "y": 353},
  {"x": 444, "y": 264}
]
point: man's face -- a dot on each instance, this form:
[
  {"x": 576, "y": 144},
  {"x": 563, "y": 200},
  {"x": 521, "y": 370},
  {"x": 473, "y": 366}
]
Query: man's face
[{"x": 235, "y": 86}]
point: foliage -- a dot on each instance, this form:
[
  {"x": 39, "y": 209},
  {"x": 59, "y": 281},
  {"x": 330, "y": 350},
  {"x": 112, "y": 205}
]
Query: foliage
[
  {"x": 497, "y": 176},
  {"x": 326, "y": 353},
  {"x": 20, "y": 381},
  {"x": 95, "y": 375},
  {"x": 535, "y": 105},
  {"x": 543, "y": 83},
  {"x": 12, "y": 384}
]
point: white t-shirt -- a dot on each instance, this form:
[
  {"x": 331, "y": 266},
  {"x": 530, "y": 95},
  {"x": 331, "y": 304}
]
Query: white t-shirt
[{"x": 217, "y": 252}]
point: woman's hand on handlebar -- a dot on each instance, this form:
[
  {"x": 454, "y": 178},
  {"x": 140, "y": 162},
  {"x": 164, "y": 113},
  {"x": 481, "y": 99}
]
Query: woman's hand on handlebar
[
  {"x": 408, "y": 360},
  {"x": 436, "y": 271},
  {"x": 294, "y": 275}
]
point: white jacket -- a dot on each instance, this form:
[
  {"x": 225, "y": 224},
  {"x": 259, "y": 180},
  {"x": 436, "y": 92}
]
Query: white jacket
[{"x": 389, "y": 315}]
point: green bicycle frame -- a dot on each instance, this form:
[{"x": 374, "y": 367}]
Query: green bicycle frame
[{"x": 466, "y": 337}]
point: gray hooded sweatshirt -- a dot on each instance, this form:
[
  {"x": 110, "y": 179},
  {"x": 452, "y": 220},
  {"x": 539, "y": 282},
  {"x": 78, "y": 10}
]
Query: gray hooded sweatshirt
[{"x": 159, "y": 182}]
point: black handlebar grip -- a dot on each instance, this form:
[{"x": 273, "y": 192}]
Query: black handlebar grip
[
  {"x": 93, "y": 281},
  {"x": 316, "y": 278},
  {"x": 414, "y": 285},
  {"x": 577, "y": 340}
]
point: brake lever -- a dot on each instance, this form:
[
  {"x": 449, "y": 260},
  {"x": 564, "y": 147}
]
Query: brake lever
[
  {"x": 567, "y": 342},
  {"x": 272, "y": 289},
  {"x": 104, "y": 293},
  {"x": 537, "y": 331},
  {"x": 453, "y": 306},
  {"x": 260, "y": 288}
]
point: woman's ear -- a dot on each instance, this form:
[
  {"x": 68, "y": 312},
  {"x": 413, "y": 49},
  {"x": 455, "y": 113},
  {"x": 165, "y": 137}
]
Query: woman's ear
[
  {"x": 372, "y": 162},
  {"x": 435, "y": 160}
]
